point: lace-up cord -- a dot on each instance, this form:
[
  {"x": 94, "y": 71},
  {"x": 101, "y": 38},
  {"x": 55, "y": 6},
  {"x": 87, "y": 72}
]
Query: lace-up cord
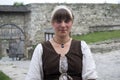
[{"x": 63, "y": 67}]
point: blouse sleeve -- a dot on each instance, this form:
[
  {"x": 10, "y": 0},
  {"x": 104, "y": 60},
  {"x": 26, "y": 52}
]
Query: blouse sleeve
[
  {"x": 35, "y": 69},
  {"x": 89, "y": 68}
]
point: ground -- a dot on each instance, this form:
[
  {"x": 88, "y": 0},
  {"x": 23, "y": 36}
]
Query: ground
[{"x": 107, "y": 65}]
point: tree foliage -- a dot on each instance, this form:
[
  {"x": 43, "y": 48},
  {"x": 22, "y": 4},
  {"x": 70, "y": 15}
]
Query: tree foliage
[{"x": 18, "y": 4}]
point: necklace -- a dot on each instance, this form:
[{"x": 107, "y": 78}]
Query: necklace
[{"x": 62, "y": 44}]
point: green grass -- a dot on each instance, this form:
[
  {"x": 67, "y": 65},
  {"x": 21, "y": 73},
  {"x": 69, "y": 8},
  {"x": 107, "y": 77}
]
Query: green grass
[
  {"x": 4, "y": 76},
  {"x": 98, "y": 36}
]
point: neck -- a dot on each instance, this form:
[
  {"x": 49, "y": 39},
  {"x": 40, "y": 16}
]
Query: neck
[{"x": 61, "y": 41}]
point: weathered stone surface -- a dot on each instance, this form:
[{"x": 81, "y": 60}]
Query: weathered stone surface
[
  {"x": 105, "y": 46},
  {"x": 88, "y": 18},
  {"x": 86, "y": 15}
]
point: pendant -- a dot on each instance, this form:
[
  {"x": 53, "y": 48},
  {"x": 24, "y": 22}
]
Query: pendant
[{"x": 62, "y": 45}]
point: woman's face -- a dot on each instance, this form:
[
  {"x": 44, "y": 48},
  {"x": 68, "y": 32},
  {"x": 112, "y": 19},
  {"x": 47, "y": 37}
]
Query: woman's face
[{"x": 62, "y": 28}]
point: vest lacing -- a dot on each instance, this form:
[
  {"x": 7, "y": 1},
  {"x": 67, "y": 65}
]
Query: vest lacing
[{"x": 63, "y": 67}]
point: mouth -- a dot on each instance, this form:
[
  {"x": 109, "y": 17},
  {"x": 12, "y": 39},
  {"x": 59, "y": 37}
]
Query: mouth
[{"x": 62, "y": 30}]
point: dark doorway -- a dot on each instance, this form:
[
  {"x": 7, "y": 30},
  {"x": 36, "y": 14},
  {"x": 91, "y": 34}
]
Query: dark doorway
[{"x": 12, "y": 41}]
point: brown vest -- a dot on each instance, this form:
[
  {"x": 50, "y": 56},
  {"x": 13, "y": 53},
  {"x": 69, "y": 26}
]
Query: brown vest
[{"x": 51, "y": 59}]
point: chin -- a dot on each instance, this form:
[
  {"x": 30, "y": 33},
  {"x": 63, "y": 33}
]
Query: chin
[{"x": 63, "y": 35}]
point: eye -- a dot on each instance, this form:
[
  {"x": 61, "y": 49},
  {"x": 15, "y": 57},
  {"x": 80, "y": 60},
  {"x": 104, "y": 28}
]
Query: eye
[
  {"x": 67, "y": 21},
  {"x": 59, "y": 21}
]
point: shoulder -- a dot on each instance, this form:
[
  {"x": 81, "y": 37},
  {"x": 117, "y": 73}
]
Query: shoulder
[
  {"x": 76, "y": 41},
  {"x": 38, "y": 49},
  {"x": 45, "y": 43},
  {"x": 39, "y": 46},
  {"x": 85, "y": 47},
  {"x": 83, "y": 43}
]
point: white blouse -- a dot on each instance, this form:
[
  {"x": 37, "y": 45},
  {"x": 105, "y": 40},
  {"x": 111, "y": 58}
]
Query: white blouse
[{"x": 36, "y": 72}]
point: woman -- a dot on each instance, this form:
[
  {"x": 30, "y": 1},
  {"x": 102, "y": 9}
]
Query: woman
[{"x": 62, "y": 58}]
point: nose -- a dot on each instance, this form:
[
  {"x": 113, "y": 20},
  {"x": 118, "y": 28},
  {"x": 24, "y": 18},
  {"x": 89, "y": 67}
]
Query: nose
[{"x": 63, "y": 24}]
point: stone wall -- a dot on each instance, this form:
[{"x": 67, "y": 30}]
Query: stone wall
[
  {"x": 105, "y": 46},
  {"x": 88, "y": 18},
  {"x": 15, "y": 18},
  {"x": 86, "y": 15}
]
